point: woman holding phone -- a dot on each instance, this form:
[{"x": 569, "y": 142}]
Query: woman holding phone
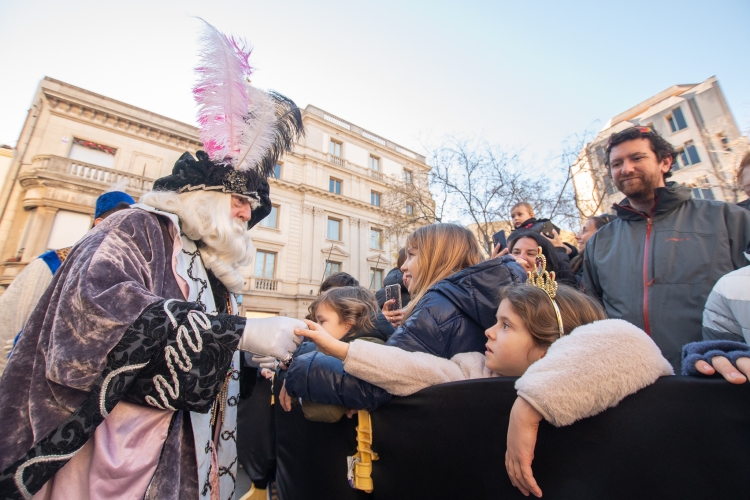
[{"x": 454, "y": 296}]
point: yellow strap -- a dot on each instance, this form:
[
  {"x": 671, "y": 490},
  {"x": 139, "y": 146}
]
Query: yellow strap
[{"x": 365, "y": 456}]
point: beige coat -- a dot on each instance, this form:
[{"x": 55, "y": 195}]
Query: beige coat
[{"x": 582, "y": 374}]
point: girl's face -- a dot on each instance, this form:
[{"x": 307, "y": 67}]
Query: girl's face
[
  {"x": 510, "y": 348},
  {"x": 410, "y": 267},
  {"x": 331, "y": 321},
  {"x": 526, "y": 249},
  {"x": 586, "y": 232}
]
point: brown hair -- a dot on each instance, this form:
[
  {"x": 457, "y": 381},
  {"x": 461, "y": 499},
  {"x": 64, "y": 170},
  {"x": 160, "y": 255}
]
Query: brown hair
[
  {"x": 338, "y": 279},
  {"x": 442, "y": 249},
  {"x": 524, "y": 204},
  {"x": 661, "y": 147},
  {"x": 535, "y": 309},
  {"x": 353, "y": 304},
  {"x": 401, "y": 257},
  {"x": 744, "y": 163}
]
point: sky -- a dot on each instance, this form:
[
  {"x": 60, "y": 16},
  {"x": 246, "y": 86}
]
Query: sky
[{"x": 526, "y": 75}]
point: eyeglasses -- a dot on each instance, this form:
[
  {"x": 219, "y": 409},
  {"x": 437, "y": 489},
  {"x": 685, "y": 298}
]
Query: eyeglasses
[{"x": 642, "y": 130}]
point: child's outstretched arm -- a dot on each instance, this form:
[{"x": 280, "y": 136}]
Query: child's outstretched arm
[{"x": 326, "y": 344}]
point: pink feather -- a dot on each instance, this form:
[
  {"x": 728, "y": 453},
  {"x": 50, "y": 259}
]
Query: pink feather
[{"x": 221, "y": 93}]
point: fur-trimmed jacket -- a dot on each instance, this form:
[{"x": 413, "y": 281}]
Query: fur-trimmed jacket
[{"x": 582, "y": 374}]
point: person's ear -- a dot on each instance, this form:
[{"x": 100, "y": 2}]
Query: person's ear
[
  {"x": 97, "y": 221},
  {"x": 665, "y": 164}
]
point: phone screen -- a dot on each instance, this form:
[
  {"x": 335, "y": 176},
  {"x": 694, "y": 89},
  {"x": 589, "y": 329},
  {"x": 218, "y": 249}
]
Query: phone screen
[{"x": 393, "y": 292}]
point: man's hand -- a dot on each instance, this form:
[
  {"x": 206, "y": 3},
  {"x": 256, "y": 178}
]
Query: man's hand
[
  {"x": 394, "y": 317},
  {"x": 326, "y": 344},
  {"x": 285, "y": 400},
  {"x": 272, "y": 336},
  {"x": 738, "y": 375},
  {"x": 522, "y": 431},
  {"x": 266, "y": 362}
]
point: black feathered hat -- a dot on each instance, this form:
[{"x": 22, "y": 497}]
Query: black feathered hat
[{"x": 244, "y": 129}]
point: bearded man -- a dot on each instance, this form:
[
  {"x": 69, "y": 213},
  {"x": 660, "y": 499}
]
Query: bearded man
[
  {"x": 124, "y": 382},
  {"x": 679, "y": 246}
]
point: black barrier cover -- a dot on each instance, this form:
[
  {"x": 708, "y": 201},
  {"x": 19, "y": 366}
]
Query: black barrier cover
[
  {"x": 680, "y": 438},
  {"x": 256, "y": 445}
]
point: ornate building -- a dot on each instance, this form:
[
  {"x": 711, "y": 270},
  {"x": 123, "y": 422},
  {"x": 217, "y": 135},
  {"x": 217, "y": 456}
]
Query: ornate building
[
  {"x": 696, "y": 119},
  {"x": 326, "y": 194}
]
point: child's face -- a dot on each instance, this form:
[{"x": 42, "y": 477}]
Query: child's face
[
  {"x": 510, "y": 348},
  {"x": 331, "y": 321},
  {"x": 410, "y": 267},
  {"x": 519, "y": 215}
]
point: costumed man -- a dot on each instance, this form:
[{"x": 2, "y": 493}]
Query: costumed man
[
  {"x": 124, "y": 382},
  {"x": 23, "y": 294}
]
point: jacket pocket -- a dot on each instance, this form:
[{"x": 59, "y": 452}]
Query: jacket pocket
[{"x": 683, "y": 257}]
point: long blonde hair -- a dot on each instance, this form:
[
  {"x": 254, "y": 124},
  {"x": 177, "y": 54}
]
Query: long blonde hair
[{"x": 442, "y": 250}]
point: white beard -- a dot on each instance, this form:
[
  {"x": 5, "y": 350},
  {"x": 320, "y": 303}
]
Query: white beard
[{"x": 206, "y": 216}]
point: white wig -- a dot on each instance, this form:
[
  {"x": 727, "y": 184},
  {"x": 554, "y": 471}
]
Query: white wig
[{"x": 207, "y": 216}]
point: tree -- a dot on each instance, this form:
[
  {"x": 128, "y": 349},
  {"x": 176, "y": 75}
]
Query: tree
[{"x": 477, "y": 183}]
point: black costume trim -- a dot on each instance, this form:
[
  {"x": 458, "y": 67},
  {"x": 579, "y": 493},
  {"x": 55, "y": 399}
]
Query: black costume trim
[{"x": 132, "y": 366}]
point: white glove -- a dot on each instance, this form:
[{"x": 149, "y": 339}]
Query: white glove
[
  {"x": 266, "y": 362},
  {"x": 272, "y": 336}
]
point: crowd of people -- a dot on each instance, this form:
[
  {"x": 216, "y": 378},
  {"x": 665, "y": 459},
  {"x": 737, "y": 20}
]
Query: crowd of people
[{"x": 128, "y": 369}]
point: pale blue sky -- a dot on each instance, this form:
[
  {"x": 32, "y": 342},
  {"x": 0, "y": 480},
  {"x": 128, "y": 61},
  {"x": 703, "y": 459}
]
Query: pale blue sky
[{"x": 525, "y": 74}]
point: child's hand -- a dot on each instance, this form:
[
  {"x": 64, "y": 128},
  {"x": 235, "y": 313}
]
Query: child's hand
[
  {"x": 522, "y": 431},
  {"x": 394, "y": 317},
  {"x": 326, "y": 344},
  {"x": 285, "y": 400}
]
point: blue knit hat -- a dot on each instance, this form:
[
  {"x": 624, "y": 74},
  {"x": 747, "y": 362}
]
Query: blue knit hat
[{"x": 108, "y": 201}]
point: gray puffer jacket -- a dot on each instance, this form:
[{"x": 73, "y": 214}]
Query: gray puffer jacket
[{"x": 689, "y": 244}]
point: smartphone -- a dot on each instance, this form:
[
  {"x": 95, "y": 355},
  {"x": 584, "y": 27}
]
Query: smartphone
[
  {"x": 546, "y": 229},
  {"x": 499, "y": 239},
  {"x": 393, "y": 292}
]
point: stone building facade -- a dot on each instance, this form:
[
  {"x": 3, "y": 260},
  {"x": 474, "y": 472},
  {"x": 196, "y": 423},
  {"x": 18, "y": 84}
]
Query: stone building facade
[
  {"x": 326, "y": 194},
  {"x": 697, "y": 121}
]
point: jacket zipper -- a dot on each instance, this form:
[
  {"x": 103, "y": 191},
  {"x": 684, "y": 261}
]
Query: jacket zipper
[{"x": 646, "y": 253}]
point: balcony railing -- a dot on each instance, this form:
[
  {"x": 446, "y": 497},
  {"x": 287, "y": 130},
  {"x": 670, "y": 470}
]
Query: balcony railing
[
  {"x": 90, "y": 172},
  {"x": 378, "y": 176},
  {"x": 336, "y": 160},
  {"x": 265, "y": 284}
]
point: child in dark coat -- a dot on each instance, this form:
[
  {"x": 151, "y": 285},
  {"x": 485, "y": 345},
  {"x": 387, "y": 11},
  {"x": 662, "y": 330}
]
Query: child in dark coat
[{"x": 347, "y": 313}]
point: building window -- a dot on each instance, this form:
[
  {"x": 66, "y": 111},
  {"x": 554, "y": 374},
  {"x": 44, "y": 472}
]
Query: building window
[
  {"x": 409, "y": 209},
  {"x": 676, "y": 120},
  {"x": 703, "y": 191},
  {"x": 265, "y": 265},
  {"x": 407, "y": 176},
  {"x": 332, "y": 268},
  {"x": 335, "y": 148},
  {"x": 333, "y": 231},
  {"x": 375, "y": 198},
  {"x": 277, "y": 171},
  {"x": 272, "y": 220},
  {"x": 376, "y": 239},
  {"x": 687, "y": 156},
  {"x": 334, "y": 186},
  {"x": 92, "y": 152},
  {"x": 609, "y": 185},
  {"x": 376, "y": 279},
  {"x": 724, "y": 142},
  {"x": 375, "y": 163}
]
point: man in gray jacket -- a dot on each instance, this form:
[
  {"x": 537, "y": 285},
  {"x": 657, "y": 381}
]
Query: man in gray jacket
[{"x": 655, "y": 265}]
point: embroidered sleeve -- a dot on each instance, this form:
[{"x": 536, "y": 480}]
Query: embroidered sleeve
[
  {"x": 174, "y": 356},
  {"x": 195, "y": 355}
]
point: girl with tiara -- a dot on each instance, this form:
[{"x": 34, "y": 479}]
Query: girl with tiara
[{"x": 572, "y": 362}]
